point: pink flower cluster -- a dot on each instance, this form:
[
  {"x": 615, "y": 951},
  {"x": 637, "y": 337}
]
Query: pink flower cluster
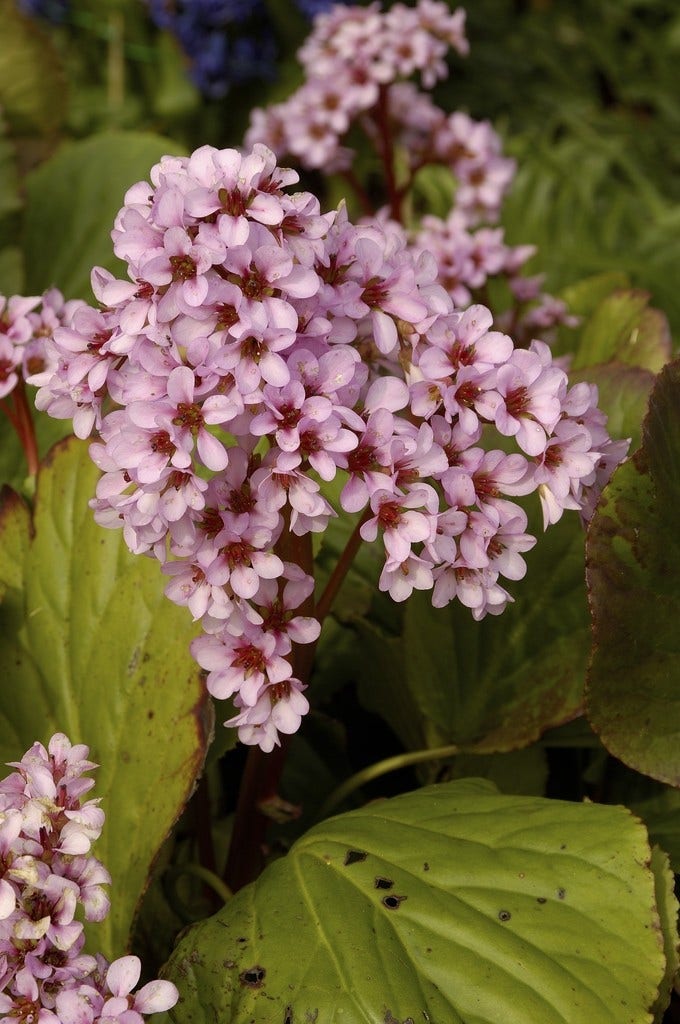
[
  {"x": 25, "y": 322},
  {"x": 468, "y": 257},
  {"x": 259, "y": 349},
  {"x": 46, "y": 874},
  {"x": 358, "y": 63}
]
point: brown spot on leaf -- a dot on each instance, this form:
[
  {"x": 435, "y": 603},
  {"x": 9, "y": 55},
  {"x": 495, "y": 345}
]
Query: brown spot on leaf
[
  {"x": 392, "y": 902},
  {"x": 354, "y": 857},
  {"x": 504, "y": 915},
  {"x": 383, "y": 883},
  {"x": 252, "y": 977}
]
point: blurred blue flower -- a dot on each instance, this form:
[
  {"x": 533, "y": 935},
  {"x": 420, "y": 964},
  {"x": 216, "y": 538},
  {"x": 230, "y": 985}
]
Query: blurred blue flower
[
  {"x": 51, "y": 10},
  {"x": 311, "y": 8},
  {"x": 228, "y": 42},
  {"x": 222, "y": 62},
  {"x": 219, "y": 57}
]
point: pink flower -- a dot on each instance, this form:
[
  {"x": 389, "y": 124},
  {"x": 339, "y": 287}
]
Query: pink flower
[{"x": 42, "y": 967}]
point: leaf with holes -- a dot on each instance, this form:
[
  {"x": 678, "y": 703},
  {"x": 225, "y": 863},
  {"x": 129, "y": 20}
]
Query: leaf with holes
[
  {"x": 634, "y": 583},
  {"x": 91, "y": 647},
  {"x": 452, "y": 904}
]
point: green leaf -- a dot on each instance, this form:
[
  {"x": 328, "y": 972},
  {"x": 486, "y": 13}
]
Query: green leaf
[
  {"x": 623, "y": 329},
  {"x": 73, "y": 198},
  {"x": 91, "y": 647},
  {"x": 656, "y": 803},
  {"x": 519, "y": 772},
  {"x": 634, "y": 583},
  {"x": 493, "y": 685},
  {"x": 9, "y": 178},
  {"x": 453, "y": 904},
  {"x": 175, "y": 95},
  {"x": 11, "y": 270},
  {"x": 661, "y": 815},
  {"x": 433, "y": 190},
  {"x": 667, "y": 906},
  {"x": 32, "y": 84},
  {"x": 584, "y": 297}
]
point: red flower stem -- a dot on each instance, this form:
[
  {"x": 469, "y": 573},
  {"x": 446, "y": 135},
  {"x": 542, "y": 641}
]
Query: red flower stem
[
  {"x": 387, "y": 153},
  {"x": 262, "y": 772},
  {"x": 24, "y": 425},
  {"x": 259, "y": 782},
  {"x": 325, "y": 602}
]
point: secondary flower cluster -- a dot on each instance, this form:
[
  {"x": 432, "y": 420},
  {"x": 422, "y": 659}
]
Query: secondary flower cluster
[
  {"x": 25, "y": 322},
  {"x": 352, "y": 55},
  {"x": 46, "y": 873},
  {"x": 260, "y": 348},
  {"x": 358, "y": 63}
]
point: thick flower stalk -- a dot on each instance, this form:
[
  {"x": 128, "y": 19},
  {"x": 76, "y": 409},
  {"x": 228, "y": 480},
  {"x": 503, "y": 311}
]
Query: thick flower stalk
[
  {"x": 261, "y": 348},
  {"x": 47, "y": 874}
]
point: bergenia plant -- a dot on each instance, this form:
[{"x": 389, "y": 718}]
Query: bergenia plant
[{"x": 267, "y": 367}]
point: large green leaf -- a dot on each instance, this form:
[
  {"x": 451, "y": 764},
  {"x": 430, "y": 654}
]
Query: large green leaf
[
  {"x": 72, "y": 200},
  {"x": 453, "y": 904},
  {"x": 634, "y": 582},
  {"x": 91, "y": 647},
  {"x": 32, "y": 84}
]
